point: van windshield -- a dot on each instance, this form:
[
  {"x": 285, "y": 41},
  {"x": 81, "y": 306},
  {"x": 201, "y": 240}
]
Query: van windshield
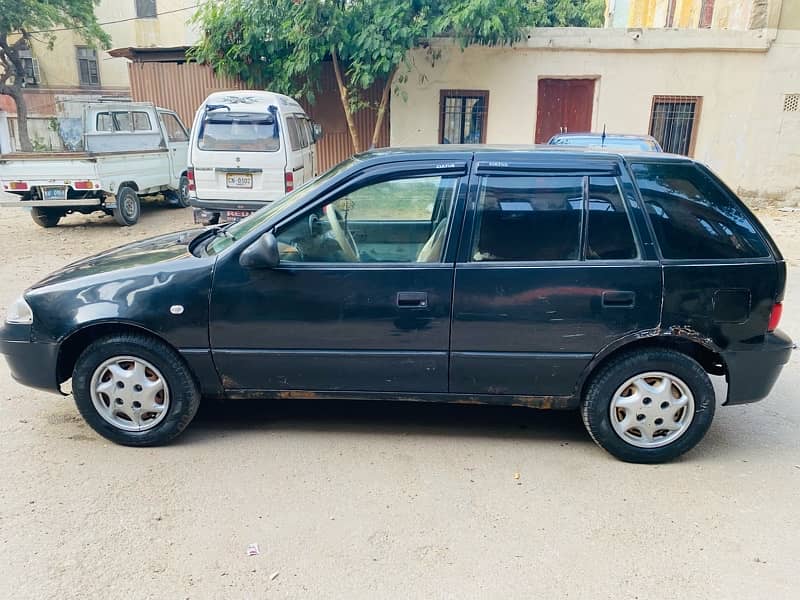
[{"x": 239, "y": 132}]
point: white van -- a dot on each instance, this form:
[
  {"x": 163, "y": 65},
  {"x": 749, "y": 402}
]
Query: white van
[{"x": 247, "y": 149}]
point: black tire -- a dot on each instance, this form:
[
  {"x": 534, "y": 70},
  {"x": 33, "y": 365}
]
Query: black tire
[
  {"x": 596, "y": 405},
  {"x": 45, "y": 217},
  {"x": 128, "y": 208},
  {"x": 184, "y": 395},
  {"x": 183, "y": 192}
]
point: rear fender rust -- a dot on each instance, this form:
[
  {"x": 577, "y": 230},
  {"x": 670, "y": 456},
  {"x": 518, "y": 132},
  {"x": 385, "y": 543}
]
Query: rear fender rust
[{"x": 685, "y": 332}]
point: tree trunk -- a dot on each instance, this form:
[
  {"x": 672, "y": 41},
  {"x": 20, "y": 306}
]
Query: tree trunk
[
  {"x": 387, "y": 88},
  {"x": 348, "y": 114},
  {"x": 22, "y": 119}
]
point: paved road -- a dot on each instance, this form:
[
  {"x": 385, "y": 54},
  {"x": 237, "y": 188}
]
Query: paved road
[{"x": 356, "y": 500}]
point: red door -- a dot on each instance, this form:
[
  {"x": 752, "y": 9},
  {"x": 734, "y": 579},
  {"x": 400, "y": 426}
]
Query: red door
[{"x": 564, "y": 105}]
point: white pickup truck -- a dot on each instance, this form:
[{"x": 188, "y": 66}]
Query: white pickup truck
[{"x": 129, "y": 149}]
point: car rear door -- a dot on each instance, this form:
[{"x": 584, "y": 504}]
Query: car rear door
[
  {"x": 323, "y": 321},
  {"x": 551, "y": 269}
]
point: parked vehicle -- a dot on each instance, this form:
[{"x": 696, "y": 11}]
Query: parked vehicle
[
  {"x": 130, "y": 150},
  {"x": 248, "y": 149},
  {"x": 618, "y": 142},
  {"x": 539, "y": 278}
]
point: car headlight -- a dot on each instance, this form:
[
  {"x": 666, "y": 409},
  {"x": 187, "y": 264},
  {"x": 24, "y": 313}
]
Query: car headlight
[{"x": 19, "y": 312}]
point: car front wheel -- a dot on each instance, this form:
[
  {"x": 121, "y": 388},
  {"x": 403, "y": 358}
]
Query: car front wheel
[
  {"x": 134, "y": 390},
  {"x": 650, "y": 406}
]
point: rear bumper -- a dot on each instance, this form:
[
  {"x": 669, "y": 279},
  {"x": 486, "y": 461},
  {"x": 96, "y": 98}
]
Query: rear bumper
[
  {"x": 752, "y": 373},
  {"x": 31, "y": 363},
  {"x": 66, "y": 204},
  {"x": 220, "y": 205}
]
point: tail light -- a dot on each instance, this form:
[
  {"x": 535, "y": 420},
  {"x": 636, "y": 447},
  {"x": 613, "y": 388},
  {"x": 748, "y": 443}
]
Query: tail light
[
  {"x": 775, "y": 316},
  {"x": 18, "y": 185},
  {"x": 190, "y": 177},
  {"x": 288, "y": 180},
  {"x": 82, "y": 185}
]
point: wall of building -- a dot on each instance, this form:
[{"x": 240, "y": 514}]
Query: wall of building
[
  {"x": 742, "y": 133},
  {"x": 58, "y": 66}
]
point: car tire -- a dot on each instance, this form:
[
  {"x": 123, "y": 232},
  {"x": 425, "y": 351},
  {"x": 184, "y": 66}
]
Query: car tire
[
  {"x": 44, "y": 217},
  {"x": 183, "y": 192},
  {"x": 633, "y": 395},
  {"x": 122, "y": 365},
  {"x": 128, "y": 208}
]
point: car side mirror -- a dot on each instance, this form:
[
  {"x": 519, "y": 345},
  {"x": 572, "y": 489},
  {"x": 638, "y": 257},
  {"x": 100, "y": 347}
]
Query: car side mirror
[
  {"x": 261, "y": 254},
  {"x": 317, "y": 130}
]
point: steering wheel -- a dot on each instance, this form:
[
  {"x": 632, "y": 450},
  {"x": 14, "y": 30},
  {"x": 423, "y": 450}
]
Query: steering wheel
[{"x": 342, "y": 236}]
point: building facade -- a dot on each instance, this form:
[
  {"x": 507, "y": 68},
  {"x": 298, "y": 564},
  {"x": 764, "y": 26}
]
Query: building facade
[
  {"x": 60, "y": 80},
  {"x": 727, "y": 94}
]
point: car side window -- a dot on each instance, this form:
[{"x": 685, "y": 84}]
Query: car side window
[
  {"x": 175, "y": 131},
  {"x": 294, "y": 139},
  {"x": 301, "y": 130},
  {"x": 397, "y": 221},
  {"x": 693, "y": 217},
  {"x": 529, "y": 218},
  {"x": 609, "y": 235}
]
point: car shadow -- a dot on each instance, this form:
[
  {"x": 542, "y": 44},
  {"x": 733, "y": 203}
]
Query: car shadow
[
  {"x": 149, "y": 209},
  {"x": 391, "y": 418}
]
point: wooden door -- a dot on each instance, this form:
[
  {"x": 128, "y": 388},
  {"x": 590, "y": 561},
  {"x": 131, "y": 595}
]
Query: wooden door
[{"x": 563, "y": 106}]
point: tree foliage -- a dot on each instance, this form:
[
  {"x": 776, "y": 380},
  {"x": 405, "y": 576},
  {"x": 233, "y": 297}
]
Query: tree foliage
[
  {"x": 281, "y": 44},
  {"x": 22, "y": 21}
]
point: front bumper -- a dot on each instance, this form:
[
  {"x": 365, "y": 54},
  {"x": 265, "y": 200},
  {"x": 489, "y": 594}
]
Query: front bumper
[
  {"x": 31, "y": 363},
  {"x": 752, "y": 373}
]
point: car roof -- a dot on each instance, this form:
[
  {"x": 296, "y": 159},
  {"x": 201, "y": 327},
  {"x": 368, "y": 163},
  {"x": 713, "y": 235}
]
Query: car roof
[
  {"x": 516, "y": 152},
  {"x": 253, "y": 100},
  {"x": 624, "y": 136}
]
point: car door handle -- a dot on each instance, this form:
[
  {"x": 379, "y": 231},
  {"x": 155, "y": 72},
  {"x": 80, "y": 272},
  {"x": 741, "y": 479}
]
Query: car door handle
[
  {"x": 618, "y": 299},
  {"x": 412, "y": 299}
]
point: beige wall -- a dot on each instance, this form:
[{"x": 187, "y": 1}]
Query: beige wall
[{"x": 743, "y": 133}]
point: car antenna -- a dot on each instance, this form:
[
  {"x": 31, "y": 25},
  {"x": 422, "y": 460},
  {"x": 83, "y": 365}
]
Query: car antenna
[{"x": 603, "y": 137}]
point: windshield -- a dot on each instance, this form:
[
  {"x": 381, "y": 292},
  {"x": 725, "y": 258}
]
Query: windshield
[
  {"x": 237, "y": 131},
  {"x": 611, "y": 141},
  {"x": 239, "y": 230}
]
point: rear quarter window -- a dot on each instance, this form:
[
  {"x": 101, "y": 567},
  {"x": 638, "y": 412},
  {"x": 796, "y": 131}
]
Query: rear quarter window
[{"x": 693, "y": 217}]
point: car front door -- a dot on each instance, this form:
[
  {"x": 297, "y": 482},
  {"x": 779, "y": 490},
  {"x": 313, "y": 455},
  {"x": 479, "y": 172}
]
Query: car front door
[
  {"x": 361, "y": 299},
  {"x": 178, "y": 144},
  {"x": 550, "y": 271}
]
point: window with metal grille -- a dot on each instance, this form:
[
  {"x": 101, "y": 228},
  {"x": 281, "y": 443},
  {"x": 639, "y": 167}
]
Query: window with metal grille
[
  {"x": 462, "y": 116},
  {"x": 146, "y": 8},
  {"x": 87, "y": 66},
  {"x": 673, "y": 122},
  {"x": 791, "y": 102},
  {"x": 706, "y": 14}
]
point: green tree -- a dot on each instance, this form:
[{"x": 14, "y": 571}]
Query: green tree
[
  {"x": 22, "y": 21},
  {"x": 281, "y": 44}
]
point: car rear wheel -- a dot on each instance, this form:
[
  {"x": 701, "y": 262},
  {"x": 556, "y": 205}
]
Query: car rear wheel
[
  {"x": 128, "y": 208},
  {"x": 134, "y": 390},
  {"x": 45, "y": 217},
  {"x": 650, "y": 406}
]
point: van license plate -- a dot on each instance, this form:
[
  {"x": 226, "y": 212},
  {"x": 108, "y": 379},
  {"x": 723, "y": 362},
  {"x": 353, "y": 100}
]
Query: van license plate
[
  {"x": 235, "y": 215},
  {"x": 54, "y": 193},
  {"x": 239, "y": 180}
]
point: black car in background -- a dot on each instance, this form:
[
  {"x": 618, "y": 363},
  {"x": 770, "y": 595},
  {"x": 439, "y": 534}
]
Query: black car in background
[
  {"x": 563, "y": 279},
  {"x": 612, "y": 141}
]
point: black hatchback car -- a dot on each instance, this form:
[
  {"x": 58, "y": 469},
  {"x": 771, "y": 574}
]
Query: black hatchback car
[{"x": 542, "y": 278}]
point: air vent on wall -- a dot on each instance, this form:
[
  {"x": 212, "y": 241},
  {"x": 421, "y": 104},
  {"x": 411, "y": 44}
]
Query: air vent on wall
[{"x": 791, "y": 103}]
